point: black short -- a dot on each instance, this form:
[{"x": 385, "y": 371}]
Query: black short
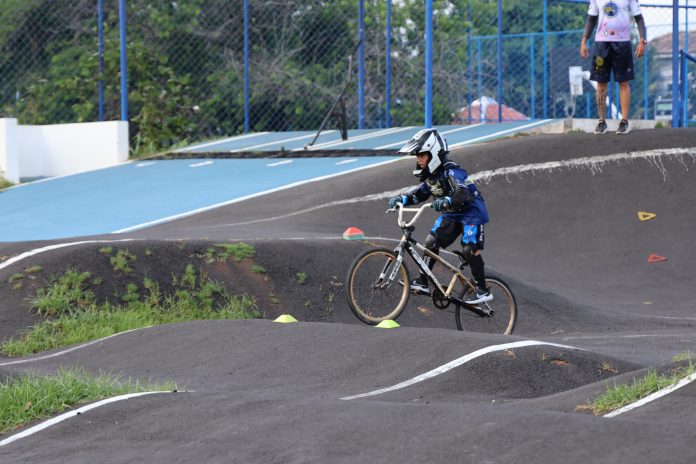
[
  {"x": 446, "y": 232},
  {"x": 616, "y": 56}
]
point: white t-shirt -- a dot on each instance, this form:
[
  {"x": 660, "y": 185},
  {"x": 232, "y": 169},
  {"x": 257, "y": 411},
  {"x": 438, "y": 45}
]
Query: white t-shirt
[{"x": 615, "y": 16}]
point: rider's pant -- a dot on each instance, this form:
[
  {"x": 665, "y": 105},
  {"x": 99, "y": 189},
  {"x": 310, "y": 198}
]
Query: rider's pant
[{"x": 445, "y": 232}]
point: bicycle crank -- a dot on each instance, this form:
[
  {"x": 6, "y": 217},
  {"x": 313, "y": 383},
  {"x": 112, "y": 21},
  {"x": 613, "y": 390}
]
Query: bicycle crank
[{"x": 439, "y": 299}]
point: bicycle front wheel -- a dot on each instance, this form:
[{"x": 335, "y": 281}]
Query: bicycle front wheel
[
  {"x": 501, "y": 310},
  {"x": 377, "y": 290}
]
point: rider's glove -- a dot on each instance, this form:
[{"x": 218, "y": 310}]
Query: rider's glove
[
  {"x": 393, "y": 201},
  {"x": 442, "y": 203}
]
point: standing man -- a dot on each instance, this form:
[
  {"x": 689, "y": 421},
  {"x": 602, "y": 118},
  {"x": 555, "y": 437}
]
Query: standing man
[{"x": 613, "y": 51}]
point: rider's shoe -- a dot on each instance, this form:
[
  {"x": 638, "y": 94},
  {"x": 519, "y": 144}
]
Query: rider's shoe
[
  {"x": 482, "y": 295},
  {"x": 420, "y": 287}
]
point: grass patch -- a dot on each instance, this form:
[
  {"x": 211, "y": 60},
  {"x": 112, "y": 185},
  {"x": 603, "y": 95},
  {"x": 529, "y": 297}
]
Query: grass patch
[
  {"x": 121, "y": 262},
  {"x": 15, "y": 277},
  {"x": 301, "y": 277},
  {"x": 618, "y": 396},
  {"x": 4, "y": 183},
  {"x": 29, "y": 398},
  {"x": 79, "y": 318},
  {"x": 255, "y": 268},
  {"x": 238, "y": 251},
  {"x": 67, "y": 294},
  {"x": 222, "y": 252}
]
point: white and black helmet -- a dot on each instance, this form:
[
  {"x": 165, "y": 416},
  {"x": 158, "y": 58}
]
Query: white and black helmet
[{"x": 427, "y": 141}]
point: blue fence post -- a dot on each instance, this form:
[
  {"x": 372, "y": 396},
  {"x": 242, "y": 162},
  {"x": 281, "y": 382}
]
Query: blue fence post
[
  {"x": 388, "y": 65},
  {"x": 685, "y": 87},
  {"x": 429, "y": 63},
  {"x": 469, "y": 68},
  {"x": 124, "y": 59},
  {"x": 100, "y": 33},
  {"x": 361, "y": 64},
  {"x": 675, "y": 63},
  {"x": 682, "y": 89},
  {"x": 247, "y": 127},
  {"x": 482, "y": 115},
  {"x": 500, "y": 60},
  {"x": 610, "y": 95},
  {"x": 646, "y": 97},
  {"x": 532, "y": 83},
  {"x": 545, "y": 64}
]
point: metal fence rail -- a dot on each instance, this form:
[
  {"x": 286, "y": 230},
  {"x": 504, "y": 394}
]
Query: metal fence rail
[{"x": 201, "y": 69}]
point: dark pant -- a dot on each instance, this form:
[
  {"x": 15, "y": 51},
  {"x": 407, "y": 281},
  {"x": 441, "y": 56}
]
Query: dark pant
[
  {"x": 616, "y": 56},
  {"x": 445, "y": 232}
]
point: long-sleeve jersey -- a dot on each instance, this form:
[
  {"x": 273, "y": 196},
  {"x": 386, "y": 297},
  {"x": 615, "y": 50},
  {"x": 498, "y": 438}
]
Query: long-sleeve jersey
[{"x": 452, "y": 181}]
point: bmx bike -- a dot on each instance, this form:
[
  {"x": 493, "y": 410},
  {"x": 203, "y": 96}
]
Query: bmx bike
[{"x": 378, "y": 285}]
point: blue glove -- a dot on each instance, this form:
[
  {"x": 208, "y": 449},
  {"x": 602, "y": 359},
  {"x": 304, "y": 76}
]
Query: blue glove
[
  {"x": 393, "y": 201},
  {"x": 442, "y": 203}
]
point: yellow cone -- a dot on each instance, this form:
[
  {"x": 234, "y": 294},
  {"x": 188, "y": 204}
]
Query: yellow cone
[
  {"x": 388, "y": 324},
  {"x": 285, "y": 319}
]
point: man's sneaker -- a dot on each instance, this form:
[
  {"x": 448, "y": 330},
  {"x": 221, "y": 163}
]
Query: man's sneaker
[
  {"x": 419, "y": 287},
  {"x": 601, "y": 127},
  {"x": 623, "y": 127},
  {"x": 482, "y": 295}
]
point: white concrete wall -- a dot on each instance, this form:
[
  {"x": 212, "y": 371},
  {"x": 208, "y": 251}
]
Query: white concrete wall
[
  {"x": 61, "y": 149},
  {"x": 9, "y": 162}
]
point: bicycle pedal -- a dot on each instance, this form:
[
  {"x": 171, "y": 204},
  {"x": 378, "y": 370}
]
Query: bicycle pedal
[{"x": 421, "y": 292}]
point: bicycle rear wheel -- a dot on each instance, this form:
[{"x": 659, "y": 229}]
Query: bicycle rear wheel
[
  {"x": 502, "y": 309},
  {"x": 372, "y": 297}
]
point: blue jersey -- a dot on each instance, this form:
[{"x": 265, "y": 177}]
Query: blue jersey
[{"x": 452, "y": 181}]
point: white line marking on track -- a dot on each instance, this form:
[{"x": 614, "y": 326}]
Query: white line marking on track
[
  {"x": 456, "y": 363},
  {"x": 68, "y": 415},
  {"x": 219, "y": 142},
  {"x": 652, "y": 397},
  {"x": 279, "y": 163},
  {"x": 499, "y": 133},
  {"x": 201, "y": 164},
  {"x": 589, "y": 161},
  {"x": 74, "y": 348},
  {"x": 237, "y": 200},
  {"x": 36, "y": 251},
  {"x": 145, "y": 164},
  {"x": 487, "y": 176},
  {"x": 281, "y": 142},
  {"x": 370, "y": 135},
  {"x": 347, "y": 161},
  {"x": 400, "y": 143}
]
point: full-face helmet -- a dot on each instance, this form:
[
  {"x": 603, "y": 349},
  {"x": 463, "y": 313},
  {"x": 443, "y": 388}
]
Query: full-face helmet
[{"x": 427, "y": 141}]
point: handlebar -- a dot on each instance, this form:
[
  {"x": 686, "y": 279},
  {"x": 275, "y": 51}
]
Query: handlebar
[{"x": 401, "y": 208}]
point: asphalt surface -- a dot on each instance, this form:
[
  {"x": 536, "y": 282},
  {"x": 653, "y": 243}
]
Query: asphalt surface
[{"x": 566, "y": 236}]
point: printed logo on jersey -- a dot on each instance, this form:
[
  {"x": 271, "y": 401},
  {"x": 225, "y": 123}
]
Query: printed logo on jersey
[{"x": 610, "y": 9}]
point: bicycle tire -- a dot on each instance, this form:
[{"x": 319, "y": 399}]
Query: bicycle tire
[
  {"x": 371, "y": 302},
  {"x": 503, "y": 304}
]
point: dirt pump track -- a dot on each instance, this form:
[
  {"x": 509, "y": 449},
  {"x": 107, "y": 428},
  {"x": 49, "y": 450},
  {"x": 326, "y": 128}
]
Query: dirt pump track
[{"x": 568, "y": 239}]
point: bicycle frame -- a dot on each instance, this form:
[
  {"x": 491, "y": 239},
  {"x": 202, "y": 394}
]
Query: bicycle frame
[{"x": 408, "y": 243}]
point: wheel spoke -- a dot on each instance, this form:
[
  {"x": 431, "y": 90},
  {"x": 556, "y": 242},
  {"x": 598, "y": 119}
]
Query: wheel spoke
[{"x": 370, "y": 294}]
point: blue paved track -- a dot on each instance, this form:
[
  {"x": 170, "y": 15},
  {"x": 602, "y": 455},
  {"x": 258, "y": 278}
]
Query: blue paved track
[
  {"x": 139, "y": 194},
  {"x": 129, "y": 196},
  {"x": 359, "y": 139}
]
